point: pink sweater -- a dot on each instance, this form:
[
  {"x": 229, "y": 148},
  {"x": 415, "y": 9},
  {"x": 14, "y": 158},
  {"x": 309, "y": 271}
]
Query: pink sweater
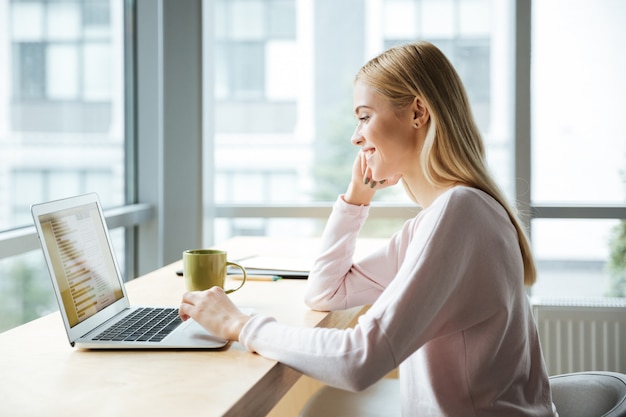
[{"x": 448, "y": 307}]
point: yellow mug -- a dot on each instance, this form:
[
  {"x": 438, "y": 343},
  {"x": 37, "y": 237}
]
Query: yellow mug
[{"x": 206, "y": 268}]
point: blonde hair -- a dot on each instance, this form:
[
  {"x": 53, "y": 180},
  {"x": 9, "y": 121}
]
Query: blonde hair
[{"x": 453, "y": 151}]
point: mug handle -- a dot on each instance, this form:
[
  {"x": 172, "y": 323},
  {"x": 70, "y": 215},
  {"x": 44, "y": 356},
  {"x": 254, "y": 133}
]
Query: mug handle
[{"x": 243, "y": 272}]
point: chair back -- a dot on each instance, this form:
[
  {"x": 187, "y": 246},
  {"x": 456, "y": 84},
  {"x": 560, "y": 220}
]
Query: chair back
[{"x": 589, "y": 394}]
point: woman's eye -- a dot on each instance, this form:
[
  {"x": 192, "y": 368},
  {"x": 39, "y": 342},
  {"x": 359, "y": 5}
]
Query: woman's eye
[{"x": 363, "y": 118}]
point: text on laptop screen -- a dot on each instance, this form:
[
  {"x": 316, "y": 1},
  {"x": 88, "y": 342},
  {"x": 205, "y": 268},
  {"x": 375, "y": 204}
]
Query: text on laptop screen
[{"x": 82, "y": 260}]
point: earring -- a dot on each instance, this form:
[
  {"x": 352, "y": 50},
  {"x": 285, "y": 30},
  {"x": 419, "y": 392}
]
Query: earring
[{"x": 415, "y": 125}]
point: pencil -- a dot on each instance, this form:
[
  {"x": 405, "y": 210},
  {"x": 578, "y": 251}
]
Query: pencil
[{"x": 257, "y": 277}]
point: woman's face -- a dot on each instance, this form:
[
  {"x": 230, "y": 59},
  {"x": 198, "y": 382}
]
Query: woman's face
[{"x": 386, "y": 136}]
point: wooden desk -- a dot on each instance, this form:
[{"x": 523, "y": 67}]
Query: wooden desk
[{"x": 41, "y": 375}]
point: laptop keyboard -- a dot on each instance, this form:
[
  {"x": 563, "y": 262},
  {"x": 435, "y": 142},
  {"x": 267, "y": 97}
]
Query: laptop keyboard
[{"x": 143, "y": 325}]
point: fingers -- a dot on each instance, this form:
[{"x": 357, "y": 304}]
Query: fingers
[
  {"x": 192, "y": 302},
  {"x": 366, "y": 171},
  {"x": 183, "y": 312},
  {"x": 366, "y": 175},
  {"x": 186, "y": 306},
  {"x": 364, "y": 168},
  {"x": 189, "y": 296},
  {"x": 390, "y": 181},
  {"x": 372, "y": 183},
  {"x": 195, "y": 297},
  {"x": 214, "y": 311}
]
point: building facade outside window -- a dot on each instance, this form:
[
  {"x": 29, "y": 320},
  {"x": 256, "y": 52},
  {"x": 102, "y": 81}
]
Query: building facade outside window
[{"x": 62, "y": 126}]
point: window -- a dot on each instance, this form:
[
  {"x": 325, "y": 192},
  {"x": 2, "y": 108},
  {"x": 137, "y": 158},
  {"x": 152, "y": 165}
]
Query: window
[
  {"x": 62, "y": 126},
  {"x": 577, "y": 182},
  {"x": 62, "y": 120},
  {"x": 254, "y": 39},
  {"x": 578, "y": 147},
  {"x": 288, "y": 135},
  {"x": 63, "y": 117},
  {"x": 61, "y": 50}
]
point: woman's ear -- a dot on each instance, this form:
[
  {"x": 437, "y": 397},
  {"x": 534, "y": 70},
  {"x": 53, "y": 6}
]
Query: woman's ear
[{"x": 420, "y": 113}]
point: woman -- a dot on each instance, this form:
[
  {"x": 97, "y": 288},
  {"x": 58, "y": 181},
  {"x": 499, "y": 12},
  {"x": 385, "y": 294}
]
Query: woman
[{"x": 448, "y": 299}]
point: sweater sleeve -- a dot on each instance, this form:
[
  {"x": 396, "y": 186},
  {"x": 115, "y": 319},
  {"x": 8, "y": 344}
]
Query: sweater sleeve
[
  {"x": 336, "y": 282},
  {"x": 350, "y": 359}
]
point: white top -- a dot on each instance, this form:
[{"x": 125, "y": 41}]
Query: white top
[{"x": 448, "y": 307}]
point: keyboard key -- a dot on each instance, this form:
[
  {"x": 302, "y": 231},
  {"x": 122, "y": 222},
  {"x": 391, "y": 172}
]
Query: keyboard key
[{"x": 144, "y": 324}]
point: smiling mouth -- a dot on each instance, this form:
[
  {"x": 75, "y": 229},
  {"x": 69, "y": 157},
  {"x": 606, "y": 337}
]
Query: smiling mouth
[{"x": 368, "y": 152}]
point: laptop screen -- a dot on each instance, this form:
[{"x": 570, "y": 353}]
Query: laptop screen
[{"x": 83, "y": 264}]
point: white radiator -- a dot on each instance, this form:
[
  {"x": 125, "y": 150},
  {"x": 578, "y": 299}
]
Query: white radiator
[{"x": 582, "y": 334}]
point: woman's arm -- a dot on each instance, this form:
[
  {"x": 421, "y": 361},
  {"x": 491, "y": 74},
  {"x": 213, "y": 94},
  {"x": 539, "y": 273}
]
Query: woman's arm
[{"x": 337, "y": 282}]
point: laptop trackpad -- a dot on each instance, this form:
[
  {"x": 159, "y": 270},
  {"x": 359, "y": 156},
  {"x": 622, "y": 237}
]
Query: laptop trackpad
[{"x": 196, "y": 332}]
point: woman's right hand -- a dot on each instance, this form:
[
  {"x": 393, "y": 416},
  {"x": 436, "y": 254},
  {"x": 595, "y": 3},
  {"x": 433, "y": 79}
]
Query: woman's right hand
[
  {"x": 362, "y": 187},
  {"x": 214, "y": 311}
]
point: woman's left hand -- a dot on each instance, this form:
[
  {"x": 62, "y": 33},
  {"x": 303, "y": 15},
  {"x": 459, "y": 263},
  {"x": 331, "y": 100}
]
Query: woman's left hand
[{"x": 214, "y": 311}]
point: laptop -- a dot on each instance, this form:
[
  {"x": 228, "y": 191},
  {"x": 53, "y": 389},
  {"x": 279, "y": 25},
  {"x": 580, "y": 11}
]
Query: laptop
[{"x": 89, "y": 288}]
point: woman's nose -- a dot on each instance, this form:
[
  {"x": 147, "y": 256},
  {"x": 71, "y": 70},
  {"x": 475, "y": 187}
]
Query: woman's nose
[{"x": 357, "y": 138}]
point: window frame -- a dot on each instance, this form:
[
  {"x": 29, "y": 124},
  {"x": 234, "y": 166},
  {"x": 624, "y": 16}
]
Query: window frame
[{"x": 162, "y": 217}]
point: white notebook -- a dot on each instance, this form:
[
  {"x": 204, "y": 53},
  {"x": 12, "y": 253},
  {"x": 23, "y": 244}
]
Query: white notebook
[{"x": 284, "y": 267}]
